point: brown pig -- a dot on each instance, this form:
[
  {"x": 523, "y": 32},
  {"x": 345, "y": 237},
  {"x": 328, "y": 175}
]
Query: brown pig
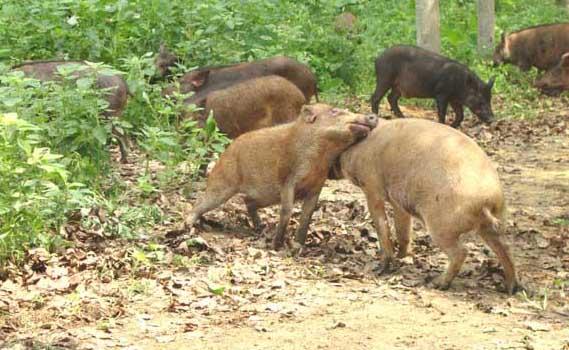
[
  {"x": 204, "y": 80},
  {"x": 116, "y": 89},
  {"x": 540, "y": 46},
  {"x": 434, "y": 173},
  {"x": 555, "y": 80},
  {"x": 253, "y": 104},
  {"x": 164, "y": 61},
  {"x": 282, "y": 164}
]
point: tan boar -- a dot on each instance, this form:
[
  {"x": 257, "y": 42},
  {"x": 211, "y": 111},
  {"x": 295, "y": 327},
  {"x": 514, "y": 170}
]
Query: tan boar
[
  {"x": 282, "y": 164},
  {"x": 434, "y": 173},
  {"x": 253, "y": 104}
]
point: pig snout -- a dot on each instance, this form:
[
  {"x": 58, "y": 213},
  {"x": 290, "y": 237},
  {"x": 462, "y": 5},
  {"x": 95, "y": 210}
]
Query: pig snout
[{"x": 363, "y": 124}]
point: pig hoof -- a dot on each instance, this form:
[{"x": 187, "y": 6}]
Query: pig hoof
[
  {"x": 387, "y": 267},
  {"x": 516, "y": 287},
  {"x": 440, "y": 284}
]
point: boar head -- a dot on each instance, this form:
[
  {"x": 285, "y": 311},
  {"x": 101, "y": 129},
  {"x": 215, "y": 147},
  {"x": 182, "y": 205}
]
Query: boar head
[
  {"x": 502, "y": 51},
  {"x": 338, "y": 127},
  {"x": 479, "y": 98},
  {"x": 556, "y": 79},
  {"x": 164, "y": 61}
]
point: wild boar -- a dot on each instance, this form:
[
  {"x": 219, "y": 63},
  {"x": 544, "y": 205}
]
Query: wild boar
[
  {"x": 411, "y": 71},
  {"x": 253, "y": 104},
  {"x": 555, "y": 80},
  {"x": 436, "y": 174},
  {"x": 540, "y": 46},
  {"x": 202, "y": 81},
  {"x": 114, "y": 85},
  {"x": 282, "y": 164},
  {"x": 164, "y": 61}
]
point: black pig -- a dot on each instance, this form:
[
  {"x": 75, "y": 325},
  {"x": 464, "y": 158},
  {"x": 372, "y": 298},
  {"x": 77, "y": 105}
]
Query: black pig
[{"x": 410, "y": 71}]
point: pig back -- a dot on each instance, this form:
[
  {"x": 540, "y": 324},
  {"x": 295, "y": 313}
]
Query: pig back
[
  {"x": 423, "y": 166},
  {"x": 255, "y": 104}
]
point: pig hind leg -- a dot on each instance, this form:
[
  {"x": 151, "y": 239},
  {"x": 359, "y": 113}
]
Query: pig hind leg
[
  {"x": 393, "y": 99},
  {"x": 381, "y": 88},
  {"x": 493, "y": 240},
  {"x": 212, "y": 199},
  {"x": 453, "y": 248},
  {"x": 402, "y": 221}
]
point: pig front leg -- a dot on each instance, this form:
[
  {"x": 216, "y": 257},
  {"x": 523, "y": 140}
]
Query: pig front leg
[
  {"x": 376, "y": 207},
  {"x": 458, "y": 114},
  {"x": 442, "y": 105},
  {"x": 307, "y": 210},
  {"x": 287, "y": 203},
  {"x": 252, "y": 210}
]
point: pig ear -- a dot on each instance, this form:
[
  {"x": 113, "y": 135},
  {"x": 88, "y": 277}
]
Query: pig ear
[
  {"x": 308, "y": 114},
  {"x": 200, "y": 78},
  {"x": 491, "y": 82},
  {"x": 565, "y": 59}
]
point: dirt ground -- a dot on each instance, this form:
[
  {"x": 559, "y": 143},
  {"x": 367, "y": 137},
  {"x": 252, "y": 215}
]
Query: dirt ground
[{"x": 226, "y": 289}]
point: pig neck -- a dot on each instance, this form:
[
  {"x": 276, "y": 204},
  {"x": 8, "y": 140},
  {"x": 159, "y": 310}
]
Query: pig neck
[{"x": 318, "y": 153}]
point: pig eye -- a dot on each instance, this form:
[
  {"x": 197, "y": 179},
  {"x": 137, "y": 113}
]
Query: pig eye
[{"x": 334, "y": 112}]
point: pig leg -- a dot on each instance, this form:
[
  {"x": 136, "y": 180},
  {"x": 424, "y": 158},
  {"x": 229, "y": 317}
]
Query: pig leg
[
  {"x": 376, "y": 208},
  {"x": 121, "y": 139},
  {"x": 442, "y": 105},
  {"x": 458, "y": 114},
  {"x": 502, "y": 252},
  {"x": 307, "y": 210},
  {"x": 380, "y": 91},
  {"x": 212, "y": 199},
  {"x": 287, "y": 202},
  {"x": 456, "y": 254},
  {"x": 393, "y": 99},
  {"x": 402, "y": 221},
  {"x": 252, "y": 210}
]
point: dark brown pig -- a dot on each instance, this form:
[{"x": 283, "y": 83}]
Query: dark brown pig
[
  {"x": 164, "y": 61},
  {"x": 282, "y": 164},
  {"x": 205, "y": 80},
  {"x": 253, "y": 104},
  {"x": 555, "y": 80},
  {"x": 116, "y": 89},
  {"x": 540, "y": 46},
  {"x": 436, "y": 174},
  {"x": 410, "y": 71}
]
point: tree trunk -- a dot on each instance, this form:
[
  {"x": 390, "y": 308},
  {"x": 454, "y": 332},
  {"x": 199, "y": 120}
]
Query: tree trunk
[
  {"x": 485, "y": 27},
  {"x": 427, "y": 18}
]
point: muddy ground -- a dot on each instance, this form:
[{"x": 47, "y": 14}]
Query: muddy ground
[{"x": 226, "y": 289}]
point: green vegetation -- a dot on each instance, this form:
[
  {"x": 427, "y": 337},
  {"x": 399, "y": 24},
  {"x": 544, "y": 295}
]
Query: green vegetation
[{"x": 53, "y": 144}]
